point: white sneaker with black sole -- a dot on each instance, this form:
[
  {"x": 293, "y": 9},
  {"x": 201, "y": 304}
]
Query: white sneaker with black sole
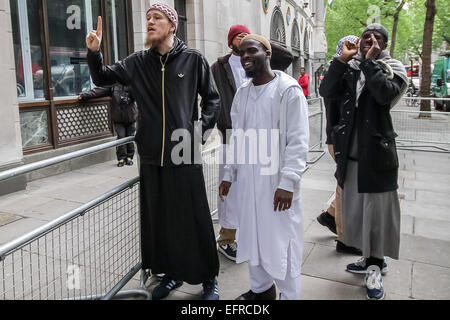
[
  {"x": 374, "y": 283},
  {"x": 229, "y": 251}
]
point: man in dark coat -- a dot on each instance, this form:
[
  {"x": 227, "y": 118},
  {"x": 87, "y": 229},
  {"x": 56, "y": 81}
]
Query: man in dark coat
[
  {"x": 229, "y": 76},
  {"x": 367, "y": 83},
  {"x": 123, "y": 114},
  {"x": 177, "y": 233}
]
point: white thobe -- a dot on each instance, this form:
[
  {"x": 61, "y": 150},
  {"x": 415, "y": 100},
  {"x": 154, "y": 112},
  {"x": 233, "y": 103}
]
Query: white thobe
[{"x": 267, "y": 237}]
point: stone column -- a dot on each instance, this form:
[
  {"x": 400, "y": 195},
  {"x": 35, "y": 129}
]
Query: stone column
[
  {"x": 319, "y": 38},
  {"x": 212, "y": 45},
  {"x": 10, "y": 136}
]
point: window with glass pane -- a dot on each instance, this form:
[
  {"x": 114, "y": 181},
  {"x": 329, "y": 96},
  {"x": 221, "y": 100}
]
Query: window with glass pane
[
  {"x": 119, "y": 29},
  {"x": 68, "y": 22},
  {"x": 27, "y": 49},
  {"x": 180, "y": 6}
]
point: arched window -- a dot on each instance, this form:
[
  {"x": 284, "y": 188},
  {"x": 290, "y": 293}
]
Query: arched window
[
  {"x": 277, "y": 31},
  {"x": 306, "y": 42},
  {"x": 295, "y": 38}
]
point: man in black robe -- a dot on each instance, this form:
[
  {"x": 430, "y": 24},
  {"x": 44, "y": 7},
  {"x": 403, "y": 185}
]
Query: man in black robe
[{"x": 177, "y": 235}]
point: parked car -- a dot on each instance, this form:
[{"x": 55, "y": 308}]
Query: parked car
[{"x": 440, "y": 82}]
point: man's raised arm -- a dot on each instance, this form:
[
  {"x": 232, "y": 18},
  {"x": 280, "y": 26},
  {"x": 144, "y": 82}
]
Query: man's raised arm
[{"x": 103, "y": 75}]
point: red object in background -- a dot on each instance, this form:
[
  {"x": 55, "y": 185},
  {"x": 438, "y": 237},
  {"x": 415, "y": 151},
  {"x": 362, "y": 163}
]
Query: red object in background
[
  {"x": 415, "y": 70},
  {"x": 303, "y": 81}
]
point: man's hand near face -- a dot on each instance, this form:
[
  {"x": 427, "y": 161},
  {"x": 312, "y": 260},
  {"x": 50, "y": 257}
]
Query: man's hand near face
[
  {"x": 349, "y": 49},
  {"x": 374, "y": 50}
]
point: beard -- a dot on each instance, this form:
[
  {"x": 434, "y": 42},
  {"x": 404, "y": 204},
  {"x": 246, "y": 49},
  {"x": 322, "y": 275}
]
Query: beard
[
  {"x": 251, "y": 73},
  {"x": 235, "y": 49},
  {"x": 154, "y": 41}
]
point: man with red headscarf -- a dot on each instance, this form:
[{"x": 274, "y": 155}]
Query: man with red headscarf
[{"x": 229, "y": 76}]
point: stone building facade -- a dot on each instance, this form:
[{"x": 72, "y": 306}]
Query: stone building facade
[{"x": 43, "y": 66}]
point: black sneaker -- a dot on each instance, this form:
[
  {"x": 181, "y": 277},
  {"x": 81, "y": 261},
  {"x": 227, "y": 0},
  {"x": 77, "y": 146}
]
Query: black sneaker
[
  {"x": 129, "y": 162},
  {"x": 121, "y": 163},
  {"x": 343, "y": 248},
  {"x": 327, "y": 220},
  {"x": 269, "y": 294},
  {"x": 228, "y": 250},
  {"x": 361, "y": 266},
  {"x": 210, "y": 290},
  {"x": 374, "y": 283},
  {"x": 163, "y": 289}
]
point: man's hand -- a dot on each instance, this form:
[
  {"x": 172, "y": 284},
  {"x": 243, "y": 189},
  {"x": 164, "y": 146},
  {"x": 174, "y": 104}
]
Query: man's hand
[
  {"x": 349, "y": 49},
  {"x": 224, "y": 188},
  {"x": 331, "y": 151},
  {"x": 94, "y": 38},
  {"x": 282, "y": 200},
  {"x": 374, "y": 50}
]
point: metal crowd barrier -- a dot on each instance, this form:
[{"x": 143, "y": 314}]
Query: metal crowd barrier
[
  {"x": 89, "y": 253},
  {"x": 421, "y": 130},
  {"x": 316, "y": 122}
]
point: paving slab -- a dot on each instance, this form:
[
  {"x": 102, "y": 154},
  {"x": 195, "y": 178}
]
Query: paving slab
[
  {"x": 431, "y": 177},
  {"x": 406, "y": 224},
  {"x": 319, "y": 180},
  {"x": 314, "y": 201},
  {"x": 18, "y": 228},
  {"x": 51, "y": 210},
  {"x": 405, "y": 193},
  {"x": 432, "y": 228},
  {"x": 432, "y": 197},
  {"x": 436, "y": 185},
  {"x": 6, "y": 218},
  {"x": 314, "y": 288},
  {"x": 430, "y": 282},
  {"x": 427, "y": 211},
  {"x": 20, "y": 203},
  {"x": 431, "y": 251},
  {"x": 316, "y": 233}
]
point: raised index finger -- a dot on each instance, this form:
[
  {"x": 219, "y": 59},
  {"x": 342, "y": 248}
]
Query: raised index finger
[
  {"x": 374, "y": 40},
  {"x": 99, "y": 26}
]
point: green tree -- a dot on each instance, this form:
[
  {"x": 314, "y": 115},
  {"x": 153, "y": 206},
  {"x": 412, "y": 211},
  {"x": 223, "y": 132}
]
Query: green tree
[{"x": 404, "y": 22}]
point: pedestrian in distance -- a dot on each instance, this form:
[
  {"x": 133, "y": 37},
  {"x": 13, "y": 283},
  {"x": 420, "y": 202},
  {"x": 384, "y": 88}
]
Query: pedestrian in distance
[
  {"x": 303, "y": 81},
  {"x": 367, "y": 83},
  {"x": 123, "y": 115},
  {"x": 177, "y": 235}
]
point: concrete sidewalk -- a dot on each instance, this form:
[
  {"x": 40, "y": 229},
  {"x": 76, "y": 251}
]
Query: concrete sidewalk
[{"x": 423, "y": 271}]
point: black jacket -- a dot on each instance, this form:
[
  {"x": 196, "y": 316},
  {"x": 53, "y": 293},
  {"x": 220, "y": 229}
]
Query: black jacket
[
  {"x": 223, "y": 75},
  {"x": 332, "y": 116},
  {"x": 123, "y": 105},
  {"x": 377, "y": 153},
  {"x": 166, "y": 89}
]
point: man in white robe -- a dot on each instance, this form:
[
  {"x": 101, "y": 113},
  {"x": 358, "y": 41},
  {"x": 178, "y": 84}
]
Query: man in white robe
[{"x": 272, "y": 108}]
